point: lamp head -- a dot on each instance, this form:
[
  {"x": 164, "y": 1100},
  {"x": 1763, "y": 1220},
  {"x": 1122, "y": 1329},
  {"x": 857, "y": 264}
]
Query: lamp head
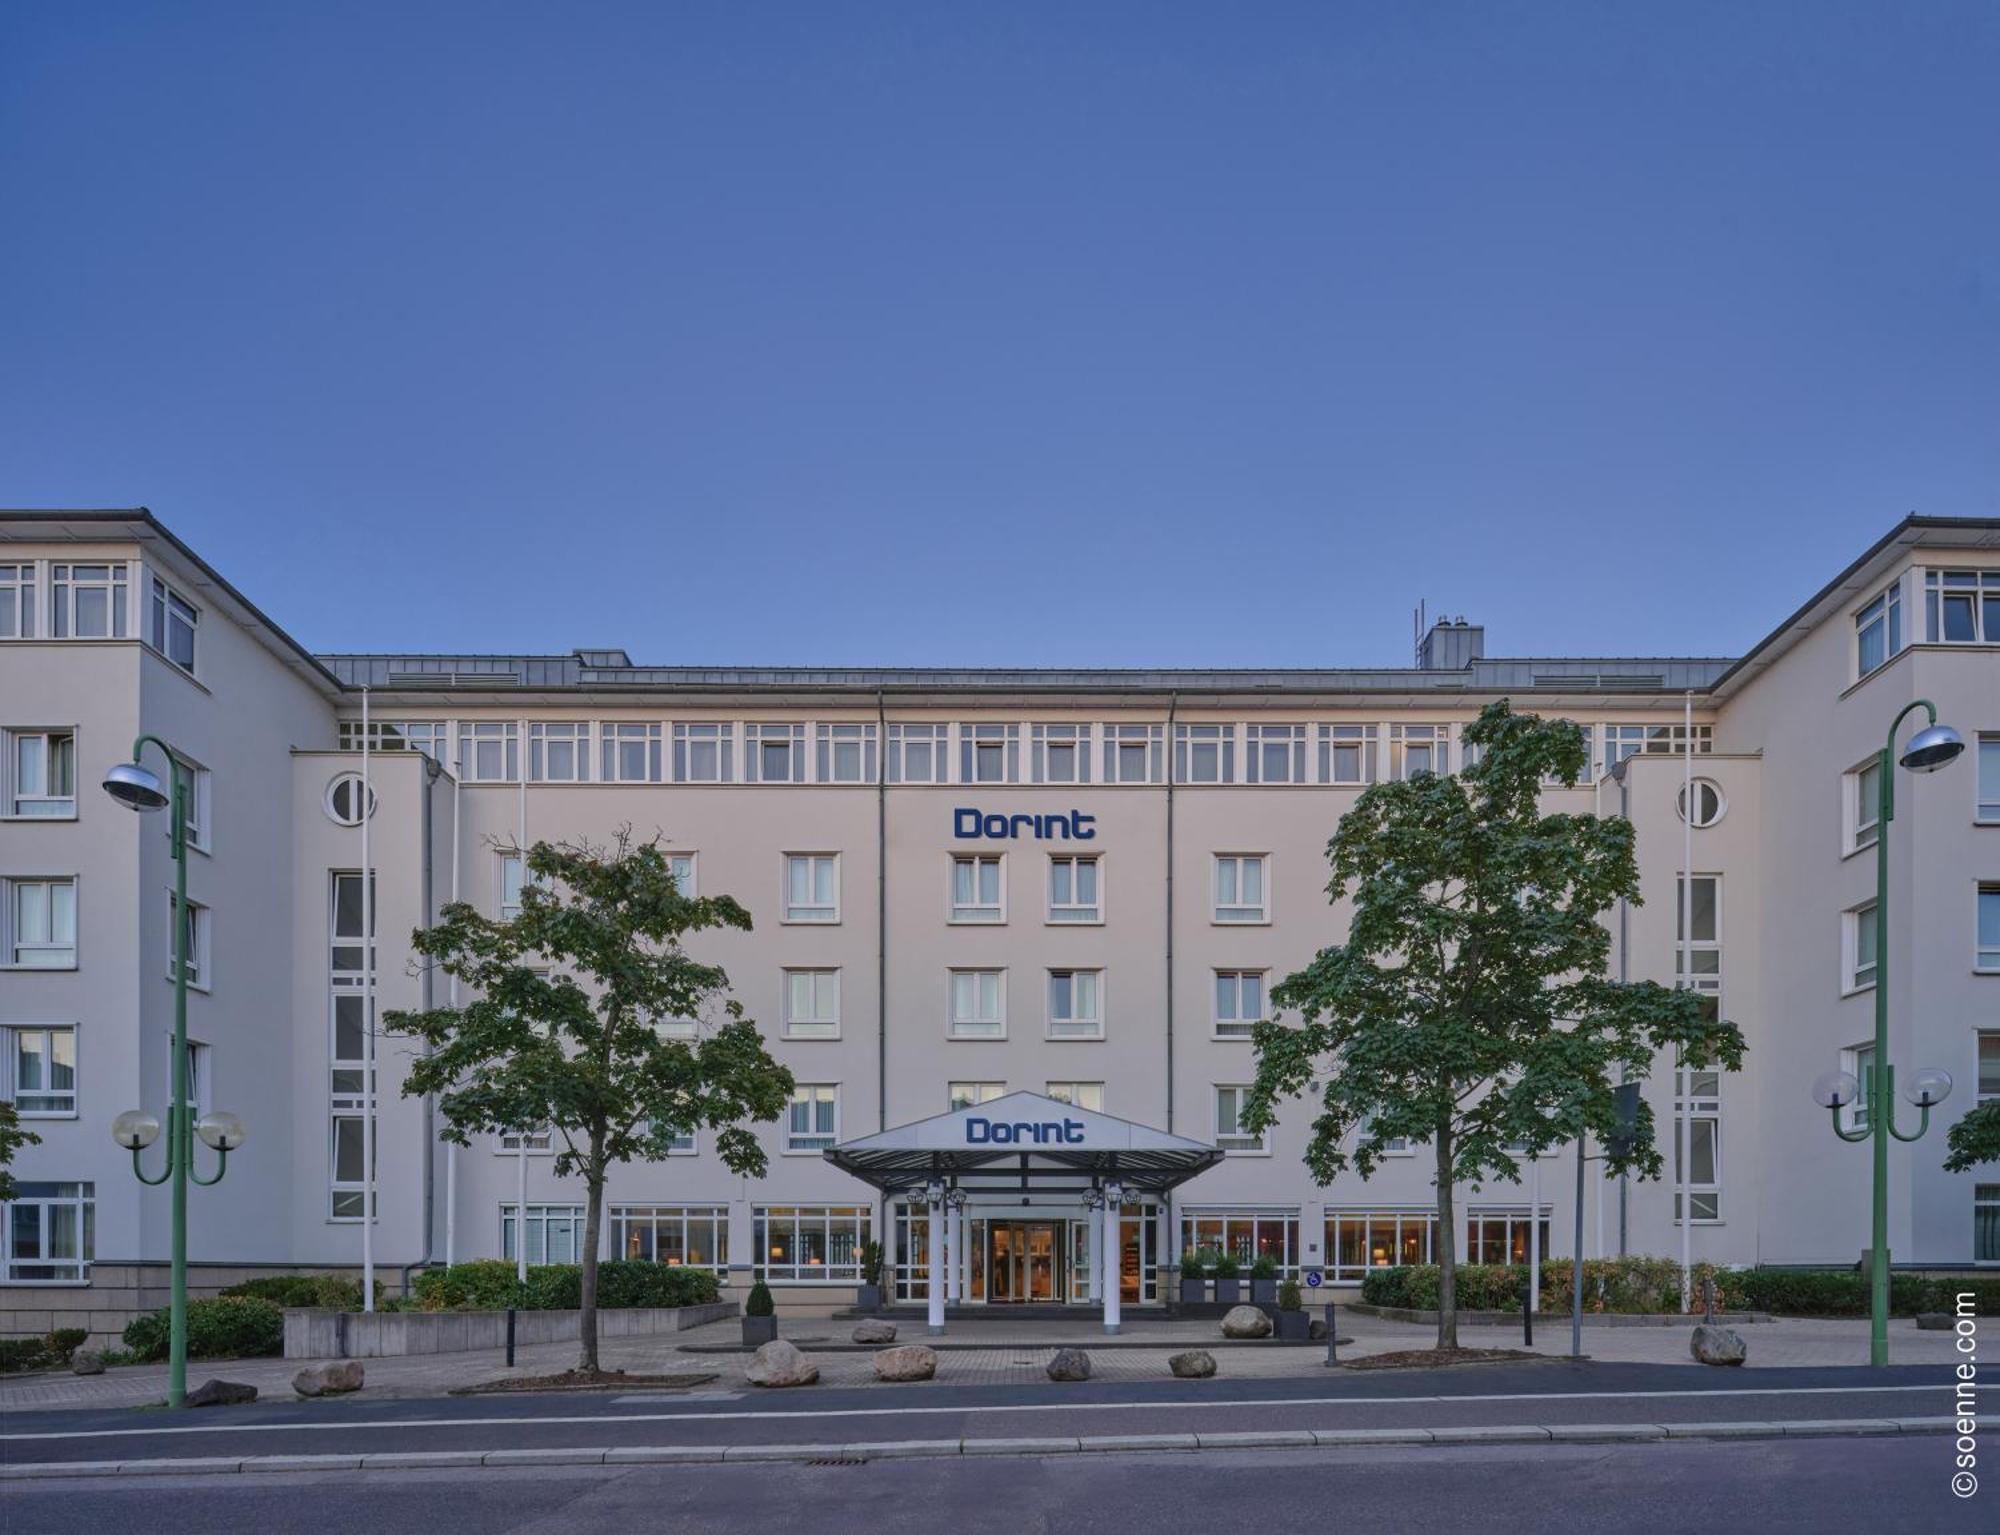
[
  {"x": 221, "y": 1130},
  {"x": 1931, "y": 748},
  {"x": 135, "y": 787},
  {"x": 1835, "y": 1089},
  {"x": 135, "y": 1129},
  {"x": 1928, "y": 1087}
]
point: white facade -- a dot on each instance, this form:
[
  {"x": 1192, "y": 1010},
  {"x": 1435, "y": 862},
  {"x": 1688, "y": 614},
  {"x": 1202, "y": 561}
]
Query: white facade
[{"x": 1148, "y": 860}]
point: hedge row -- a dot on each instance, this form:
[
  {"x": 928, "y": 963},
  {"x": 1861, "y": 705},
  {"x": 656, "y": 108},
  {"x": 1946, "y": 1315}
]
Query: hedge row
[
  {"x": 1652, "y": 1286},
  {"x": 51, "y": 1351},
  {"x": 226, "y": 1327},
  {"x": 622, "y": 1283},
  {"x": 328, "y": 1292}
]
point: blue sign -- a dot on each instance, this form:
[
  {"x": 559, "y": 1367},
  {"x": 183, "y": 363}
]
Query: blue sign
[
  {"x": 1054, "y": 1132},
  {"x": 969, "y": 825},
  {"x": 1313, "y": 1281}
]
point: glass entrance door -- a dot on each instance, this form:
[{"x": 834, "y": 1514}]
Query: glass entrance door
[{"x": 1024, "y": 1261}]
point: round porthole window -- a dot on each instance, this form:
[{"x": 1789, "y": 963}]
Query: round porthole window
[
  {"x": 345, "y": 796},
  {"x": 1708, "y": 801}
]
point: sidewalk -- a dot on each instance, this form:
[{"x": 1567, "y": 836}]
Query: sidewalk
[{"x": 1006, "y": 1353}]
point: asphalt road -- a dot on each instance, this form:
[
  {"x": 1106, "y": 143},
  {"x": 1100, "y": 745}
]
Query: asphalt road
[
  {"x": 1555, "y": 1392},
  {"x": 1823, "y": 1485}
]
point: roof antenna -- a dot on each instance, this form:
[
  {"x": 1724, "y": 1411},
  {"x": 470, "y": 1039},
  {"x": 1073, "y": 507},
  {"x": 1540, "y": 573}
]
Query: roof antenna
[{"x": 1417, "y": 616}]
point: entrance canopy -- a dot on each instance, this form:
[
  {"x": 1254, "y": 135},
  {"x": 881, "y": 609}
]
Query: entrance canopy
[{"x": 1024, "y": 1143}]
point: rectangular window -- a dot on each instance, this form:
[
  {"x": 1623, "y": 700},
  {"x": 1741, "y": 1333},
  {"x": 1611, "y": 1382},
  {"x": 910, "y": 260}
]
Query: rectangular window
[
  {"x": 1239, "y": 1002},
  {"x": 40, "y": 774},
  {"x": 1986, "y": 1223},
  {"x": 1700, "y": 1098},
  {"x": 199, "y": 1072},
  {"x": 846, "y": 753},
  {"x": 691, "y": 1236},
  {"x": 978, "y": 1004},
  {"x": 917, "y": 753},
  {"x": 41, "y": 1068},
  {"x": 1204, "y": 754},
  {"x": 1062, "y": 753},
  {"x": 1239, "y": 888},
  {"x": 704, "y": 753},
  {"x": 197, "y": 950},
  {"x": 1081, "y": 1095},
  {"x": 977, "y": 889},
  {"x": 489, "y": 751},
  {"x": 88, "y": 602},
  {"x": 1858, "y": 945},
  {"x": 1622, "y": 741},
  {"x": 1878, "y": 631},
  {"x": 1359, "y": 1240},
  {"x": 1671, "y": 740},
  {"x": 628, "y": 752},
  {"x": 17, "y": 601},
  {"x": 170, "y": 629},
  {"x": 1076, "y": 1009},
  {"x": 810, "y": 1244},
  {"x": 513, "y": 874},
  {"x": 774, "y": 753},
  {"x": 1988, "y": 954},
  {"x": 812, "y": 887},
  {"x": 1860, "y": 1062},
  {"x": 966, "y": 1095},
  {"x": 350, "y": 956},
  {"x": 1245, "y": 1235},
  {"x": 1699, "y": 964},
  {"x": 559, "y": 751},
  {"x": 681, "y": 866},
  {"x": 192, "y": 779},
  {"x": 812, "y": 1004},
  {"x": 51, "y": 1232},
  {"x": 1988, "y": 810},
  {"x": 812, "y": 1121},
  {"x": 539, "y": 1141},
  {"x": 555, "y": 1233},
  {"x": 40, "y": 922},
  {"x": 1415, "y": 749},
  {"x": 348, "y": 1189},
  {"x": 1073, "y": 887},
  {"x": 1275, "y": 753},
  {"x": 989, "y": 753},
  {"x": 431, "y": 737},
  {"x": 1961, "y": 607},
  {"x": 1864, "y": 804},
  {"x": 1134, "y": 753},
  {"x": 1347, "y": 754},
  {"x": 1500, "y": 1235},
  {"x": 1229, "y": 1132}
]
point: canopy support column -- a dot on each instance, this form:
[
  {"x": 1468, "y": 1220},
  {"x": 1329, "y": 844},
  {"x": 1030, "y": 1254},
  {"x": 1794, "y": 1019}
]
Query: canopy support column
[
  {"x": 1111, "y": 1223},
  {"x": 934, "y": 1276}
]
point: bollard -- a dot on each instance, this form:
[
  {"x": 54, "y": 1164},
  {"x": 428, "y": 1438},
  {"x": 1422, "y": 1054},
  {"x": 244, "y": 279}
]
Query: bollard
[
  {"x": 1527, "y": 1317},
  {"x": 1331, "y": 1336},
  {"x": 1708, "y": 1300},
  {"x": 510, "y": 1337}
]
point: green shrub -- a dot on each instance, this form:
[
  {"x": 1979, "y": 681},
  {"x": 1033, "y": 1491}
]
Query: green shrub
[
  {"x": 1265, "y": 1267},
  {"x": 552, "y": 1287},
  {"x": 226, "y": 1327},
  {"x": 759, "y": 1302},
  {"x": 1191, "y": 1265},
  {"x": 1227, "y": 1266},
  {"x": 623, "y": 1283},
  {"x": 327, "y": 1292},
  {"x": 871, "y": 1262},
  {"x": 65, "y": 1341},
  {"x": 1845, "y": 1292},
  {"x": 1289, "y": 1298},
  {"x": 489, "y": 1285},
  {"x": 18, "y": 1354}
]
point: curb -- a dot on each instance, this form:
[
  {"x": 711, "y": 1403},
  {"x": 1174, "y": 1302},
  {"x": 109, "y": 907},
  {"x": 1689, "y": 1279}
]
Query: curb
[{"x": 903, "y": 1449}]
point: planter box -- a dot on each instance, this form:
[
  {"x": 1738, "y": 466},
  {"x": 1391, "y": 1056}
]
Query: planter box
[
  {"x": 868, "y": 1297},
  {"x": 1263, "y": 1292},
  {"x": 1193, "y": 1291},
  {"x": 390, "y": 1334},
  {"x": 759, "y": 1330},
  {"x": 1228, "y": 1291},
  {"x": 1294, "y": 1327}
]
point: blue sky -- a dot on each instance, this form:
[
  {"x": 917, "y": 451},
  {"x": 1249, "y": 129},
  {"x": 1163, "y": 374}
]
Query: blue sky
[{"x": 1005, "y": 334}]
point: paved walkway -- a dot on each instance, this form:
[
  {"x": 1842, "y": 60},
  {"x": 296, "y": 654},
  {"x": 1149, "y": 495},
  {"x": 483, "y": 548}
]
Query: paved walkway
[{"x": 1011, "y": 1353}]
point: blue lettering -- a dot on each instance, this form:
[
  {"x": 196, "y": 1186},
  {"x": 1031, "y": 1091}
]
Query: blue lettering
[
  {"x": 1015, "y": 823},
  {"x": 965, "y": 823},
  {"x": 1072, "y": 1131},
  {"x": 978, "y": 1131},
  {"x": 970, "y": 825},
  {"x": 1051, "y": 824},
  {"x": 987, "y": 1132},
  {"x": 1004, "y": 1133},
  {"x": 1082, "y": 827}
]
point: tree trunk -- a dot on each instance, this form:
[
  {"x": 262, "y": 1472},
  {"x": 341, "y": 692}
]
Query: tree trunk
[
  {"x": 593, "y": 1213},
  {"x": 1447, "y": 1243}
]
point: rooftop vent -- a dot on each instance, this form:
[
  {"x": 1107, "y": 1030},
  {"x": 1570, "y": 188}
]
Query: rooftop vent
[
  {"x": 452, "y": 680},
  {"x": 1451, "y": 645}
]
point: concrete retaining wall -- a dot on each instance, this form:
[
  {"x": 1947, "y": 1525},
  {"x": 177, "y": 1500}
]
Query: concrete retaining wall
[
  {"x": 385, "y": 1334},
  {"x": 121, "y": 1290}
]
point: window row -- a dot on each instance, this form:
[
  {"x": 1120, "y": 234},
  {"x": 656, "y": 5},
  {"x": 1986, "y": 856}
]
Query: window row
[
  {"x": 62, "y": 600},
  {"x": 38, "y": 780},
  {"x": 799, "y": 752},
  {"x": 38, "y": 928}
]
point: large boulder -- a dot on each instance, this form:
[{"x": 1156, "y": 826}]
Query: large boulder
[
  {"x": 335, "y": 1379},
  {"x": 220, "y": 1393},
  {"x": 1069, "y": 1364},
  {"x": 1718, "y": 1345},
  {"x": 874, "y": 1330},
  {"x": 1246, "y": 1322},
  {"x": 86, "y": 1362},
  {"x": 1934, "y": 1321},
  {"x": 1194, "y": 1364},
  {"x": 779, "y": 1363},
  {"x": 907, "y": 1361}
]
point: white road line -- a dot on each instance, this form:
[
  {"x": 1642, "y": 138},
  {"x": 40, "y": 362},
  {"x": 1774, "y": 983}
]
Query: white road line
[{"x": 975, "y": 1410}]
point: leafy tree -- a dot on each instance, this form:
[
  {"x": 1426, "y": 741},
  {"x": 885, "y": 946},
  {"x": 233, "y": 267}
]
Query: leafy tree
[
  {"x": 561, "y": 1031},
  {"x": 12, "y": 1139},
  {"x": 1975, "y": 1139},
  {"x": 1469, "y": 1009}
]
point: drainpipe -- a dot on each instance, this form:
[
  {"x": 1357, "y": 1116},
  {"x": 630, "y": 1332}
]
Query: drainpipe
[
  {"x": 432, "y": 772},
  {"x": 887, "y": 1233}
]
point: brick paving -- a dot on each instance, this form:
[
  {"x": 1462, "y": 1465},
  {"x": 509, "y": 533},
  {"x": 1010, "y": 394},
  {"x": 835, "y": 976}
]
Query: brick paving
[{"x": 1010, "y": 1353}]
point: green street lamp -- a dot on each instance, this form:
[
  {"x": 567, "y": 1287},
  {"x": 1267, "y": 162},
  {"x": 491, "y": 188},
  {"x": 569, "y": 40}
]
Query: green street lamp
[
  {"x": 137, "y": 789},
  {"x": 1930, "y": 749}
]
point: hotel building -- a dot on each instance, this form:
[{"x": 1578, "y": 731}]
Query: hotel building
[{"x": 1077, "y": 884}]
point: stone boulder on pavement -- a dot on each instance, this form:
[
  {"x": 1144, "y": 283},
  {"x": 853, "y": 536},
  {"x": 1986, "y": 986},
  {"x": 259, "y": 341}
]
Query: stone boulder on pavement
[
  {"x": 1069, "y": 1364},
  {"x": 907, "y": 1361},
  {"x": 335, "y": 1379},
  {"x": 779, "y": 1363},
  {"x": 86, "y": 1362},
  {"x": 1718, "y": 1345},
  {"x": 1194, "y": 1364},
  {"x": 220, "y": 1393},
  {"x": 1246, "y": 1322},
  {"x": 874, "y": 1330}
]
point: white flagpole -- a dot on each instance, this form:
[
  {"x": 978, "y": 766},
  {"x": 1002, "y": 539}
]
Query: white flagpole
[
  {"x": 1681, "y": 1083},
  {"x": 367, "y": 1017},
  {"x": 451, "y": 1147},
  {"x": 521, "y": 1141}
]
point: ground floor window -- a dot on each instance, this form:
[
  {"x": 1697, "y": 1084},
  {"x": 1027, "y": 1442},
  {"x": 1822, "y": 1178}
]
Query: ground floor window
[
  {"x": 694, "y": 1235},
  {"x": 1358, "y": 1240},
  {"x": 555, "y": 1233},
  {"x": 1986, "y": 1223},
  {"x": 1028, "y": 1255},
  {"x": 1501, "y": 1236},
  {"x": 51, "y": 1232},
  {"x": 1247, "y": 1234},
  {"x": 811, "y": 1244}
]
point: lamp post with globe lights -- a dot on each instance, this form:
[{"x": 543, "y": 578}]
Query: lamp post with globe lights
[
  {"x": 134, "y": 787},
  {"x": 1928, "y": 750}
]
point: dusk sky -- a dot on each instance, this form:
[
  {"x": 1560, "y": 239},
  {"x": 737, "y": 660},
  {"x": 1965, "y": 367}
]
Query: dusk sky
[{"x": 1006, "y": 334}]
